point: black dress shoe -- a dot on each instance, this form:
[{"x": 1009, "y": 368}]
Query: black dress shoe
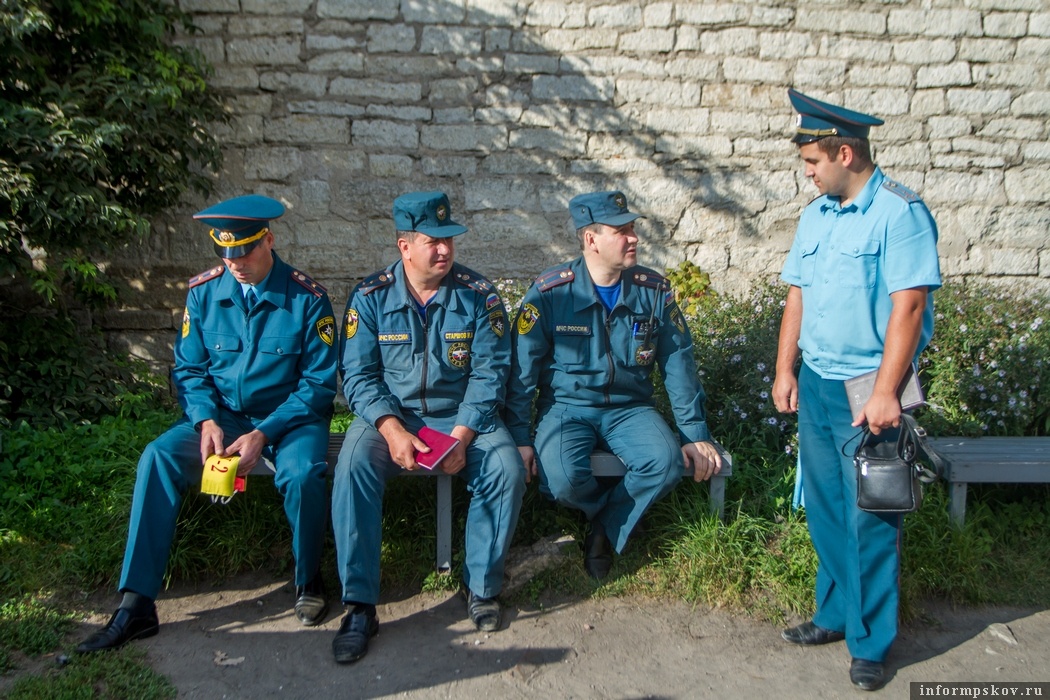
[
  {"x": 125, "y": 626},
  {"x": 485, "y": 613},
  {"x": 867, "y": 675},
  {"x": 597, "y": 552},
  {"x": 809, "y": 634},
  {"x": 351, "y": 641},
  {"x": 311, "y": 603}
]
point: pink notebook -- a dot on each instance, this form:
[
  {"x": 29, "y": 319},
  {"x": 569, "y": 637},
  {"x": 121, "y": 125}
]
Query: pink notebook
[{"x": 440, "y": 445}]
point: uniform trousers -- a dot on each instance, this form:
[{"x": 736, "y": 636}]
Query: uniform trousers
[
  {"x": 495, "y": 479},
  {"x": 858, "y": 553},
  {"x": 172, "y": 463},
  {"x": 565, "y": 437}
]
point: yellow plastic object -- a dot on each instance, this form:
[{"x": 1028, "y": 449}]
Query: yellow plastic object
[{"x": 219, "y": 476}]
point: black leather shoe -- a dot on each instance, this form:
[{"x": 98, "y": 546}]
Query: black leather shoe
[
  {"x": 311, "y": 603},
  {"x": 597, "y": 552},
  {"x": 867, "y": 675},
  {"x": 351, "y": 641},
  {"x": 485, "y": 613},
  {"x": 125, "y": 626},
  {"x": 809, "y": 634}
]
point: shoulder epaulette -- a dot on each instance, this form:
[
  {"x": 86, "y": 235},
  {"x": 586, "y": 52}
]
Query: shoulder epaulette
[
  {"x": 651, "y": 278},
  {"x": 554, "y": 278},
  {"x": 206, "y": 276},
  {"x": 316, "y": 289},
  {"x": 473, "y": 280},
  {"x": 379, "y": 279},
  {"x": 901, "y": 191}
]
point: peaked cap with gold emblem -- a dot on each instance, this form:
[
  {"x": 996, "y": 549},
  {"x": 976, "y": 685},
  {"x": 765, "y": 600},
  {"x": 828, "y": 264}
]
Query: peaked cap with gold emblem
[{"x": 239, "y": 224}]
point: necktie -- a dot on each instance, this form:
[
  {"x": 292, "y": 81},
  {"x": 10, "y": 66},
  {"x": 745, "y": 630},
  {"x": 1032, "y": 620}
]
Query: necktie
[{"x": 250, "y": 299}]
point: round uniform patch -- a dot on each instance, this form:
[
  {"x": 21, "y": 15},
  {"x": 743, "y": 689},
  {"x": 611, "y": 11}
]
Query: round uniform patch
[
  {"x": 620, "y": 201},
  {"x": 185, "y": 322},
  {"x": 441, "y": 212},
  {"x": 459, "y": 354},
  {"x": 227, "y": 237},
  {"x": 527, "y": 318},
  {"x": 351, "y": 323},
  {"x": 645, "y": 355}
]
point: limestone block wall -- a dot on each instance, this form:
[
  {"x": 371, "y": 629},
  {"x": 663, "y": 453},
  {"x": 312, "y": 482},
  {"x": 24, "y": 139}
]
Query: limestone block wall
[{"x": 514, "y": 106}]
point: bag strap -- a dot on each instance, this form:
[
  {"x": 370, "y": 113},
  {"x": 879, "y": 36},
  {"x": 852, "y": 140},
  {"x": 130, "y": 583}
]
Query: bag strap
[{"x": 926, "y": 476}]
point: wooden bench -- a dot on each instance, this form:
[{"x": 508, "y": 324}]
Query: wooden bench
[
  {"x": 603, "y": 464},
  {"x": 991, "y": 460}
]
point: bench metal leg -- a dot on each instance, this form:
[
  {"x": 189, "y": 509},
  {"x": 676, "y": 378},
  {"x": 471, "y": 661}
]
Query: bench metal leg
[
  {"x": 444, "y": 524},
  {"x": 718, "y": 496},
  {"x": 957, "y": 500}
]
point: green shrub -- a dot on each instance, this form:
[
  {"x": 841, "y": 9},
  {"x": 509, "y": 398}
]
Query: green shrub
[{"x": 987, "y": 368}]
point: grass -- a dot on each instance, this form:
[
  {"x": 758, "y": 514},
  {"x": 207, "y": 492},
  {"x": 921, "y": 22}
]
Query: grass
[{"x": 63, "y": 531}]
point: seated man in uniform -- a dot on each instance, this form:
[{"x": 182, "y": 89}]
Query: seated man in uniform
[
  {"x": 255, "y": 372},
  {"x": 587, "y": 335},
  {"x": 425, "y": 345}
]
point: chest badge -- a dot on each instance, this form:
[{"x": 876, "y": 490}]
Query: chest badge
[
  {"x": 645, "y": 355},
  {"x": 459, "y": 355},
  {"x": 186, "y": 322}
]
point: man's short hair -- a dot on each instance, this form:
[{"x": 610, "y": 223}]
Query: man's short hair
[
  {"x": 580, "y": 232},
  {"x": 407, "y": 235},
  {"x": 861, "y": 147}
]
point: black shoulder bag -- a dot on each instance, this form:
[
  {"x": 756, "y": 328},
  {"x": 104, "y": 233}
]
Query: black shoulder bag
[{"x": 889, "y": 474}]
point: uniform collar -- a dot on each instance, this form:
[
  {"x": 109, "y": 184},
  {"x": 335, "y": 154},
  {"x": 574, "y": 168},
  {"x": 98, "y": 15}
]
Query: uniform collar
[
  {"x": 585, "y": 295},
  {"x": 402, "y": 298},
  {"x": 863, "y": 199}
]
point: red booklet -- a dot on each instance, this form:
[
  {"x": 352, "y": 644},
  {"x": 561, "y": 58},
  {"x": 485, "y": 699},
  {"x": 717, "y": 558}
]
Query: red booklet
[{"x": 440, "y": 445}]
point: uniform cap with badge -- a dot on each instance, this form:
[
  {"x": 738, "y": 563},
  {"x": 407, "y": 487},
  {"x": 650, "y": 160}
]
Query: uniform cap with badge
[
  {"x": 239, "y": 224},
  {"x": 609, "y": 208},
  {"x": 817, "y": 120},
  {"x": 428, "y": 213}
]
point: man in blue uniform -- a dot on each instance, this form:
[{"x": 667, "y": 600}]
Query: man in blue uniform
[
  {"x": 255, "y": 371},
  {"x": 588, "y": 335},
  {"x": 425, "y": 344},
  {"x": 862, "y": 270}
]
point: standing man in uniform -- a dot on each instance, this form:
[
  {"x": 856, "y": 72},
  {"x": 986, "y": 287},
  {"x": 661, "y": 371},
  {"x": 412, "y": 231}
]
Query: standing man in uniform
[
  {"x": 588, "y": 335},
  {"x": 425, "y": 344},
  {"x": 862, "y": 270},
  {"x": 255, "y": 374}
]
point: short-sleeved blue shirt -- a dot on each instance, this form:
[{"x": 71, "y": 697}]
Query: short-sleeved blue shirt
[{"x": 848, "y": 261}]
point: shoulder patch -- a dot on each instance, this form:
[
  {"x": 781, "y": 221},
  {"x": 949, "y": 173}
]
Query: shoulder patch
[
  {"x": 316, "y": 289},
  {"x": 554, "y": 278},
  {"x": 901, "y": 191},
  {"x": 650, "y": 278},
  {"x": 207, "y": 276},
  {"x": 376, "y": 281},
  {"x": 473, "y": 280}
]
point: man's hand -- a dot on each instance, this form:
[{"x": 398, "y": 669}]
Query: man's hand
[
  {"x": 457, "y": 458},
  {"x": 785, "y": 392},
  {"x": 880, "y": 412},
  {"x": 401, "y": 443},
  {"x": 211, "y": 440},
  {"x": 528, "y": 456},
  {"x": 249, "y": 446},
  {"x": 705, "y": 459}
]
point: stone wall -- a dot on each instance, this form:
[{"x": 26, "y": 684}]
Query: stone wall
[{"x": 514, "y": 106}]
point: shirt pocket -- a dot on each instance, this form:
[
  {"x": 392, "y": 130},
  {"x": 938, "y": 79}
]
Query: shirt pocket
[
  {"x": 280, "y": 345},
  {"x": 219, "y": 343},
  {"x": 572, "y": 345},
  {"x": 858, "y": 265},
  {"x": 808, "y": 263}
]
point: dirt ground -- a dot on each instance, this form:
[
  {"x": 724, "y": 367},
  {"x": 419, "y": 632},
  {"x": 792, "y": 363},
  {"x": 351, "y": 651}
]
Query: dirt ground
[{"x": 242, "y": 641}]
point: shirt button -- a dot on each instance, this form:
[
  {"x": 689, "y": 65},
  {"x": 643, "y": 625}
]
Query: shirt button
[
  {"x": 217, "y": 346},
  {"x": 280, "y": 351},
  {"x": 856, "y": 250}
]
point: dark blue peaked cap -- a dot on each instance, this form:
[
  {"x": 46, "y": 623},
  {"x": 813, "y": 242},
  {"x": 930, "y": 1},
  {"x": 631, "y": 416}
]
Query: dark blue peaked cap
[
  {"x": 239, "y": 224},
  {"x": 817, "y": 120}
]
